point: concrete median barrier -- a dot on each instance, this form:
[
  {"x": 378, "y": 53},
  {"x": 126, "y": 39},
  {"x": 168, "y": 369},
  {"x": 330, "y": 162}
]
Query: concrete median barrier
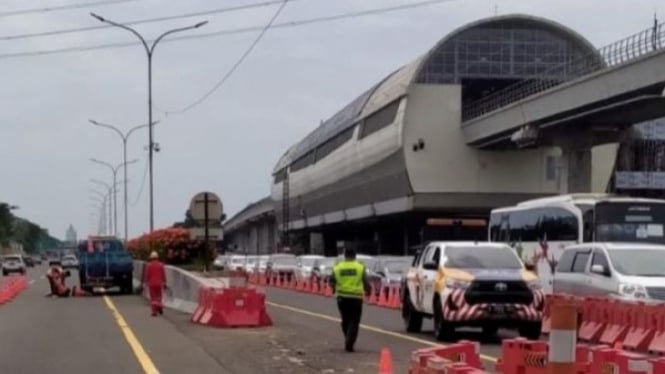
[{"x": 182, "y": 292}]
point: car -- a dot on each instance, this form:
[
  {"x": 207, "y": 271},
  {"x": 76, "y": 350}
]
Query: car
[
  {"x": 626, "y": 271},
  {"x": 37, "y": 260},
  {"x": 324, "y": 266},
  {"x": 387, "y": 271},
  {"x": 70, "y": 262},
  {"x": 54, "y": 261},
  {"x": 237, "y": 262},
  {"x": 13, "y": 264},
  {"x": 306, "y": 264},
  {"x": 471, "y": 284},
  {"x": 284, "y": 265},
  {"x": 29, "y": 262}
]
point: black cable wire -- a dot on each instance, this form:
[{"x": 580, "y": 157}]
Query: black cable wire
[
  {"x": 145, "y": 174},
  {"x": 235, "y": 66},
  {"x": 142, "y": 21},
  {"x": 62, "y": 7},
  {"x": 232, "y": 31}
]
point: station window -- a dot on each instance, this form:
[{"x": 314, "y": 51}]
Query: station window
[
  {"x": 280, "y": 176},
  {"x": 332, "y": 144},
  {"x": 379, "y": 119},
  {"x": 303, "y": 161}
]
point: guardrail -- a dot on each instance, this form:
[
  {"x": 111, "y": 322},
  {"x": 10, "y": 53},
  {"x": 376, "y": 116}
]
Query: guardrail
[{"x": 617, "y": 53}]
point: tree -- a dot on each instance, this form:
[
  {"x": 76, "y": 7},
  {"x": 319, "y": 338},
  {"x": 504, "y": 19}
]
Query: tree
[{"x": 6, "y": 220}]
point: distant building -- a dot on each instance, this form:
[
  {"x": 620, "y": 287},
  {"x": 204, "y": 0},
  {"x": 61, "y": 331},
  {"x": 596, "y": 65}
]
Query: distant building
[{"x": 70, "y": 235}]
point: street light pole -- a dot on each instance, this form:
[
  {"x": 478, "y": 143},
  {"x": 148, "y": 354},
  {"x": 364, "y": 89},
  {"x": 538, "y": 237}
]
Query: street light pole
[
  {"x": 125, "y": 138},
  {"x": 149, "y": 50},
  {"x": 102, "y": 198},
  {"x": 114, "y": 171}
]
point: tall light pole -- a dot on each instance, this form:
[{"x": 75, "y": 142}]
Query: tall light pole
[
  {"x": 101, "y": 199},
  {"x": 124, "y": 137},
  {"x": 98, "y": 213},
  {"x": 113, "y": 189},
  {"x": 149, "y": 50}
]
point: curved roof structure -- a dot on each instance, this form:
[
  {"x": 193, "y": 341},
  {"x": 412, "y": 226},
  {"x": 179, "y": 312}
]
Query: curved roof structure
[{"x": 517, "y": 47}]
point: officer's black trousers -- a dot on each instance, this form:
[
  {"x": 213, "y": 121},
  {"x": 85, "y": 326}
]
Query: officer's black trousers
[{"x": 351, "y": 310}]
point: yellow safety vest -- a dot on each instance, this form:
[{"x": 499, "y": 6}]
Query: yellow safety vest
[{"x": 349, "y": 278}]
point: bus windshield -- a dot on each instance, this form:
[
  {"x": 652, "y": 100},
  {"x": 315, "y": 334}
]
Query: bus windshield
[{"x": 630, "y": 222}]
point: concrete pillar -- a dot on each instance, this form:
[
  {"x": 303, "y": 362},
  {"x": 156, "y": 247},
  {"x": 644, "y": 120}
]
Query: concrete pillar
[
  {"x": 576, "y": 158},
  {"x": 578, "y": 169}
]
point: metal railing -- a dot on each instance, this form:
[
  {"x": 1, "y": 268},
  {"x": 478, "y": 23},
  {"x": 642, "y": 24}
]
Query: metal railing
[{"x": 617, "y": 53}]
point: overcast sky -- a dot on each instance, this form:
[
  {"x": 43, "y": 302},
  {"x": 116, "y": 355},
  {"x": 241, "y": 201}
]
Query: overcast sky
[{"x": 229, "y": 144}]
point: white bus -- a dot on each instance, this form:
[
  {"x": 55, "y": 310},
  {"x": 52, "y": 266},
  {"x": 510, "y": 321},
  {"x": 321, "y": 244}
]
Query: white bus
[{"x": 540, "y": 229}]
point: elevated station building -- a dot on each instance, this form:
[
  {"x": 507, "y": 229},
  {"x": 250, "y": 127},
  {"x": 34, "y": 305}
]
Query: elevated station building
[{"x": 392, "y": 169}]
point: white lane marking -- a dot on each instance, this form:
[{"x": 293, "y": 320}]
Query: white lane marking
[{"x": 32, "y": 281}]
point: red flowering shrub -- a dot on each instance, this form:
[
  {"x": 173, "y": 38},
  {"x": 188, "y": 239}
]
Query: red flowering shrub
[{"x": 172, "y": 244}]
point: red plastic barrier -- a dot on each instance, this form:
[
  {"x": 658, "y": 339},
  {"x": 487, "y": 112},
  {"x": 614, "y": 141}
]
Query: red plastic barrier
[
  {"x": 656, "y": 366},
  {"x": 231, "y": 307},
  {"x": 12, "y": 286},
  {"x": 595, "y": 316},
  {"x": 441, "y": 359},
  {"x": 643, "y": 328},
  {"x": 205, "y": 296},
  {"x": 616, "y": 329},
  {"x": 657, "y": 344}
]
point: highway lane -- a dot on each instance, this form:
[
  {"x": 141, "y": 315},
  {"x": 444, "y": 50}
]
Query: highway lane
[
  {"x": 83, "y": 335},
  {"x": 377, "y": 320}
]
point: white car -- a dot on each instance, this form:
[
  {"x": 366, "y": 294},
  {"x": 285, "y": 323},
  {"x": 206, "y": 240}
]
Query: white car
[
  {"x": 306, "y": 263},
  {"x": 70, "y": 262},
  {"x": 13, "y": 264}
]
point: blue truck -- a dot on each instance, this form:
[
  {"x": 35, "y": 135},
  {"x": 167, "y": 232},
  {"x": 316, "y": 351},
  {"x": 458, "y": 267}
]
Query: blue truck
[{"x": 105, "y": 263}]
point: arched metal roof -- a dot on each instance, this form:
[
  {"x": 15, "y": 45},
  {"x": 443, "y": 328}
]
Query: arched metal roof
[{"x": 397, "y": 83}]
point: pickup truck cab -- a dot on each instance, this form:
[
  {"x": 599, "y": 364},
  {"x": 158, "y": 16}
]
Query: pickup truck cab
[
  {"x": 105, "y": 263},
  {"x": 469, "y": 284}
]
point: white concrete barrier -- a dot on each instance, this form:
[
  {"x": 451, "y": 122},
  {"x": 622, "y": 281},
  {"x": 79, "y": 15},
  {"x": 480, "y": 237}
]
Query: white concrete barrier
[{"x": 182, "y": 292}]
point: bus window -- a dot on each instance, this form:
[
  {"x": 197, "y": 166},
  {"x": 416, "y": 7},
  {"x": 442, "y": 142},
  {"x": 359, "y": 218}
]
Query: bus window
[
  {"x": 558, "y": 225},
  {"x": 630, "y": 222}
]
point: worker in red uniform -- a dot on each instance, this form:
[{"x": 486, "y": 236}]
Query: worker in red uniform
[{"x": 155, "y": 280}]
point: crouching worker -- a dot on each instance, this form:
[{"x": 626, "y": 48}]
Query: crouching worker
[
  {"x": 56, "y": 279},
  {"x": 155, "y": 280}
]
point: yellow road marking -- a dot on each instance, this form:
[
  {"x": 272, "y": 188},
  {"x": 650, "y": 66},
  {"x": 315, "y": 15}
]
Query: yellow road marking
[
  {"x": 371, "y": 328},
  {"x": 139, "y": 352}
]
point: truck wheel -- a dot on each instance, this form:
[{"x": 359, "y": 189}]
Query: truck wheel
[
  {"x": 4, "y": 273},
  {"x": 531, "y": 330},
  {"x": 126, "y": 287},
  {"x": 413, "y": 320},
  {"x": 442, "y": 329}
]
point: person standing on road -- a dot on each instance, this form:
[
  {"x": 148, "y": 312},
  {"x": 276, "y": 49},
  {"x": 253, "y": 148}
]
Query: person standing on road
[
  {"x": 155, "y": 280},
  {"x": 349, "y": 282}
]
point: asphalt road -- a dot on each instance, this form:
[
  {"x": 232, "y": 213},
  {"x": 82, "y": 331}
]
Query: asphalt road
[
  {"x": 41, "y": 334},
  {"x": 116, "y": 334},
  {"x": 376, "y": 320},
  {"x": 86, "y": 335}
]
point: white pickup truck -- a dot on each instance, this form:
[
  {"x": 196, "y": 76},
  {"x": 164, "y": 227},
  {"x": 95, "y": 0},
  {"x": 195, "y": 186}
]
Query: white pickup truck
[{"x": 470, "y": 284}]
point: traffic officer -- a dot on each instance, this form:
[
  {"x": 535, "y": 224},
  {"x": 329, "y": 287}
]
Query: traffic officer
[{"x": 349, "y": 282}]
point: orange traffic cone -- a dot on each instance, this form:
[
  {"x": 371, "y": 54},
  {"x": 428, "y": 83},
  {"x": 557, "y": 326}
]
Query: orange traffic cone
[
  {"x": 328, "y": 292},
  {"x": 383, "y": 298},
  {"x": 385, "y": 362},
  {"x": 395, "y": 302}
]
